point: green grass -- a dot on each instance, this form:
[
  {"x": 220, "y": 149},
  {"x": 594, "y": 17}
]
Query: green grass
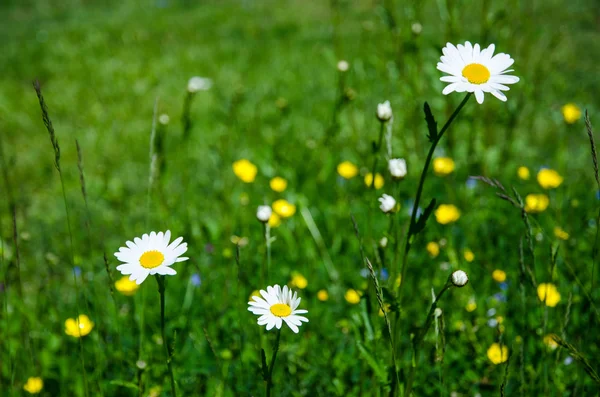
[{"x": 102, "y": 66}]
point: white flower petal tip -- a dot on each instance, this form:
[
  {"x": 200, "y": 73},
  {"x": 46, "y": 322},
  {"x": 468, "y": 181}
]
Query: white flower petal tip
[
  {"x": 477, "y": 71},
  {"x": 276, "y": 306},
  {"x": 150, "y": 255}
]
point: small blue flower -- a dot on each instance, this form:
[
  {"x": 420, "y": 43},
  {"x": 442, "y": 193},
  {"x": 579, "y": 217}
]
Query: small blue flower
[
  {"x": 568, "y": 360},
  {"x": 77, "y": 271},
  {"x": 503, "y": 286},
  {"x": 364, "y": 272},
  {"x": 471, "y": 183},
  {"x": 196, "y": 280},
  {"x": 384, "y": 274},
  {"x": 500, "y": 297}
]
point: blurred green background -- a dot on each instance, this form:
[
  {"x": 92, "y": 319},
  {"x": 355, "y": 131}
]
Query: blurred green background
[{"x": 103, "y": 65}]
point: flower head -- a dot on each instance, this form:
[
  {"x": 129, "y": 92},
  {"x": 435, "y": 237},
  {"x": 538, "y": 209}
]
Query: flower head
[
  {"x": 384, "y": 111},
  {"x": 352, "y": 296},
  {"x": 34, "y": 385},
  {"x": 323, "y": 295},
  {"x": 263, "y": 213},
  {"x": 499, "y": 275},
  {"x": 497, "y": 354},
  {"x": 469, "y": 255},
  {"x": 276, "y": 306},
  {"x": 549, "y": 179},
  {"x": 125, "y": 286},
  {"x": 283, "y": 208},
  {"x": 433, "y": 248},
  {"x": 343, "y": 66},
  {"x": 274, "y": 220},
  {"x": 536, "y": 203},
  {"x": 548, "y": 293},
  {"x": 378, "y": 180},
  {"x": 523, "y": 173},
  {"x": 459, "y": 278},
  {"x": 78, "y": 327},
  {"x": 472, "y": 69},
  {"x": 298, "y": 280},
  {"x": 278, "y": 184},
  {"x": 571, "y": 113},
  {"x": 388, "y": 203},
  {"x": 347, "y": 170},
  {"x": 397, "y": 168},
  {"x": 446, "y": 213},
  {"x": 245, "y": 170},
  {"x": 560, "y": 233},
  {"x": 443, "y": 166},
  {"x": 550, "y": 342},
  {"x": 152, "y": 254},
  {"x": 196, "y": 84}
]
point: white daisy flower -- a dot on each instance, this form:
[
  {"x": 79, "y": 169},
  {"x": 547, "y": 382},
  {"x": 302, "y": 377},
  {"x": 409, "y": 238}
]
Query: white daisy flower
[
  {"x": 387, "y": 203},
  {"x": 149, "y": 255},
  {"x": 196, "y": 84},
  {"x": 278, "y": 305},
  {"x": 384, "y": 111},
  {"x": 474, "y": 70},
  {"x": 459, "y": 278}
]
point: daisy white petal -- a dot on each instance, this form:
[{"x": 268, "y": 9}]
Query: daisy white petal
[{"x": 276, "y": 306}]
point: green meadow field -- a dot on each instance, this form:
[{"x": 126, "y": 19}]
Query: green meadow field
[{"x": 252, "y": 131}]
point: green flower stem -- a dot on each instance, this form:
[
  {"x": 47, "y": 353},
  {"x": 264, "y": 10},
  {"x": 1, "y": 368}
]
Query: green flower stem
[
  {"x": 376, "y": 150},
  {"x": 420, "y": 336},
  {"x": 185, "y": 117},
  {"x": 272, "y": 365},
  {"x": 268, "y": 260},
  {"x": 161, "y": 290}
]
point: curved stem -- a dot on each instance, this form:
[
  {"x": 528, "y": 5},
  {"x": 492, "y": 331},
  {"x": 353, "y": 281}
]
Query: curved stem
[
  {"x": 275, "y": 350},
  {"x": 161, "y": 291}
]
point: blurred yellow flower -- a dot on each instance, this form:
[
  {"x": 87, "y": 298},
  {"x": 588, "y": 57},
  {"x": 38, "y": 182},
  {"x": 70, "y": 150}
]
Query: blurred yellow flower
[
  {"x": 347, "y": 170},
  {"x": 549, "y": 293},
  {"x": 387, "y": 308},
  {"x": 378, "y": 180},
  {"x": 549, "y": 179},
  {"x": 497, "y": 354},
  {"x": 274, "y": 220},
  {"x": 255, "y": 293},
  {"x": 571, "y": 113},
  {"x": 398, "y": 281},
  {"x": 299, "y": 281},
  {"x": 536, "y": 203},
  {"x": 499, "y": 275},
  {"x": 523, "y": 173},
  {"x": 352, "y": 296},
  {"x": 322, "y": 295},
  {"x": 34, "y": 385},
  {"x": 126, "y": 286},
  {"x": 446, "y": 213},
  {"x": 469, "y": 255},
  {"x": 245, "y": 170},
  {"x": 84, "y": 327},
  {"x": 443, "y": 166},
  {"x": 471, "y": 305},
  {"x": 433, "y": 248},
  {"x": 550, "y": 342},
  {"x": 278, "y": 184},
  {"x": 560, "y": 233},
  {"x": 283, "y": 208}
]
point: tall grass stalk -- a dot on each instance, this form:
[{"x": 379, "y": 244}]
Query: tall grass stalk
[
  {"x": 272, "y": 365},
  {"x": 56, "y": 148},
  {"x": 590, "y": 132},
  {"x": 161, "y": 290}
]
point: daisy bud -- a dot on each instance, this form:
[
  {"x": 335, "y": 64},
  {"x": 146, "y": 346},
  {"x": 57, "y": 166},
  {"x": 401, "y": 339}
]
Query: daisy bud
[
  {"x": 459, "y": 278},
  {"x": 397, "y": 168},
  {"x": 384, "y": 111},
  {"x": 263, "y": 213},
  {"x": 387, "y": 203},
  {"x": 196, "y": 84},
  {"x": 343, "y": 66},
  {"x": 164, "y": 119}
]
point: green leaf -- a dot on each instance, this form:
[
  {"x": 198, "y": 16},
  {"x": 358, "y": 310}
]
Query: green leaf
[
  {"x": 265, "y": 367},
  {"x": 431, "y": 123},
  {"x": 420, "y": 224},
  {"x": 379, "y": 369},
  {"x": 123, "y": 383}
]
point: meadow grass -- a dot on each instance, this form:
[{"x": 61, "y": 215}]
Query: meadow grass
[{"x": 102, "y": 164}]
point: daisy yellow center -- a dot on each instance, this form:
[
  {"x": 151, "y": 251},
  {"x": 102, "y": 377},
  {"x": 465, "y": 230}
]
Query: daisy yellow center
[
  {"x": 151, "y": 259},
  {"x": 281, "y": 310},
  {"x": 476, "y": 73}
]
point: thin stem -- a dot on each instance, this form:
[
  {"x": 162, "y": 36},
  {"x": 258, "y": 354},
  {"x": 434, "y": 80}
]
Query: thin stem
[
  {"x": 161, "y": 291},
  {"x": 268, "y": 244},
  {"x": 272, "y": 365},
  {"x": 376, "y": 150},
  {"x": 185, "y": 117}
]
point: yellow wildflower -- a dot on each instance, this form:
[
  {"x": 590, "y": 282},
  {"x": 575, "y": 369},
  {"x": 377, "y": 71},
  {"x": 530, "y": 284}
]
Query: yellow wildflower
[
  {"x": 274, "y": 220},
  {"x": 126, "y": 286},
  {"x": 471, "y": 305},
  {"x": 352, "y": 296},
  {"x": 549, "y": 179},
  {"x": 322, "y": 295},
  {"x": 497, "y": 354},
  {"x": 85, "y": 326},
  {"x": 571, "y": 113},
  {"x": 387, "y": 308},
  {"x": 433, "y": 248},
  {"x": 523, "y": 173},
  {"x": 549, "y": 293},
  {"x": 536, "y": 203},
  {"x": 347, "y": 170},
  {"x": 560, "y": 233},
  {"x": 398, "y": 281},
  {"x": 299, "y": 281},
  {"x": 255, "y": 293},
  {"x": 283, "y": 208},
  {"x": 446, "y": 213},
  {"x": 245, "y": 170},
  {"x": 499, "y": 275},
  {"x": 443, "y": 166},
  {"x": 34, "y": 385},
  {"x": 469, "y": 255},
  {"x": 378, "y": 180},
  {"x": 550, "y": 342},
  {"x": 278, "y": 184}
]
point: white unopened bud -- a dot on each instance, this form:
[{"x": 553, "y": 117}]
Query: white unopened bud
[
  {"x": 460, "y": 278},
  {"x": 397, "y": 168},
  {"x": 343, "y": 66},
  {"x": 416, "y": 28},
  {"x": 383, "y": 242},
  {"x": 263, "y": 213},
  {"x": 387, "y": 203},
  {"x": 196, "y": 84},
  {"x": 164, "y": 119},
  {"x": 384, "y": 111}
]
